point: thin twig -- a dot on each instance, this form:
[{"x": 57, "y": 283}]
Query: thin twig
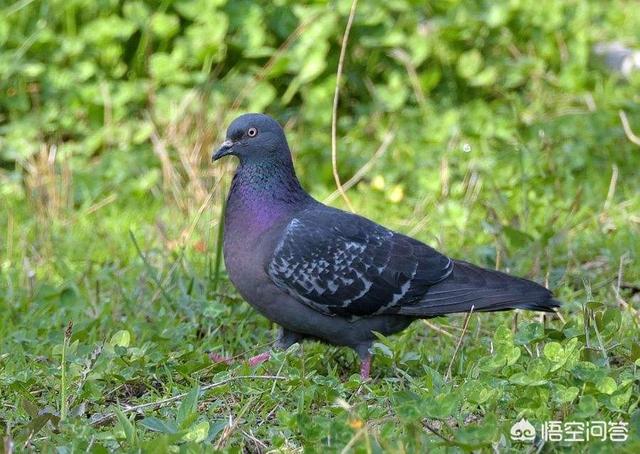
[
  {"x": 435, "y": 432},
  {"x": 163, "y": 402},
  {"x": 234, "y": 421},
  {"x": 104, "y": 202},
  {"x": 616, "y": 290},
  {"x": 612, "y": 186},
  {"x": 437, "y": 328},
  {"x": 464, "y": 330},
  {"x": 107, "y": 112},
  {"x": 626, "y": 305},
  {"x": 620, "y": 269},
  {"x": 84, "y": 374},
  {"x": 64, "y": 405},
  {"x": 419, "y": 225},
  {"x": 336, "y": 97},
  {"x": 355, "y": 179},
  {"x": 627, "y": 128},
  {"x": 252, "y": 437},
  {"x": 601, "y": 343},
  {"x": 352, "y": 442}
]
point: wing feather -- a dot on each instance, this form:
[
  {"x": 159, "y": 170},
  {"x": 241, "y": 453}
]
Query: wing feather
[{"x": 343, "y": 264}]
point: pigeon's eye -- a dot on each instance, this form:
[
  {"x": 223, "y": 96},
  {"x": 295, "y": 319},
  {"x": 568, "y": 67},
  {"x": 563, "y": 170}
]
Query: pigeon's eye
[{"x": 252, "y": 132}]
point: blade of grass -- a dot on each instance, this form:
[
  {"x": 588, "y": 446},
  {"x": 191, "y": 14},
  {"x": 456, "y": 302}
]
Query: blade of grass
[
  {"x": 218, "y": 257},
  {"x": 149, "y": 267}
]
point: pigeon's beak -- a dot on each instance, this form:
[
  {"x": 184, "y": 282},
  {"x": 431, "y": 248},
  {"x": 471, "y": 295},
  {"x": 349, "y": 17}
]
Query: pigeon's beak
[{"x": 225, "y": 149}]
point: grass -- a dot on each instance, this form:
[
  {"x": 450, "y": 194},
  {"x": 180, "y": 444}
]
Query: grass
[
  {"x": 497, "y": 142},
  {"x": 111, "y": 310}
]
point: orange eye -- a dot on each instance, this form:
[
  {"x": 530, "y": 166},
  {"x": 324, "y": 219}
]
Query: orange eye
[{"x": 252, "y": 132}]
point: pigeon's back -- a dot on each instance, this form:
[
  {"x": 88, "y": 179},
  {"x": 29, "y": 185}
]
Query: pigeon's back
[{"x": 342, "y": 264}]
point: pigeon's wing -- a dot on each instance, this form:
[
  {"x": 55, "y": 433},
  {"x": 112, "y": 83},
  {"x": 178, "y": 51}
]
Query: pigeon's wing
[
  {"x": 343, "y": 264},
  {"x": 471, "y": 288}
]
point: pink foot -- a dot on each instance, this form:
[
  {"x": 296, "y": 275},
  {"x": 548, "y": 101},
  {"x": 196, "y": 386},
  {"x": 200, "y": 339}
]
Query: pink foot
[
  {"x": 365, "y": 367},
  {"x": 218, "y": 358},
  {"x": 259, "y": 359}
]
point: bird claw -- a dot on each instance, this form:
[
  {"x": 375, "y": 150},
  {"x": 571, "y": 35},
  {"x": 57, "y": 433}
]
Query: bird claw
[
  {"x": 220, "y": 359},
  {"x": 253, "y": 361},
  {"x": 259, "y": 359}
]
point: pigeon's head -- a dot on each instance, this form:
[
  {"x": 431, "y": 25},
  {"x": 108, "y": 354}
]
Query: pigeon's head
[{"x": 254, "y": 137}]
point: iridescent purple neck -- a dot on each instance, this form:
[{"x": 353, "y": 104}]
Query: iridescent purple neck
[{"x": 261, "y": 194}]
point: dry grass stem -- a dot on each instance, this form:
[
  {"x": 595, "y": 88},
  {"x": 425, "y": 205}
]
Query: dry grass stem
[
  {"x": 459, "y": 344},
  {"x": 357, "y": 177},
  {"x": 336, "y": 97},
  {"x": 436, "y": 328},
  {"x": 627, "y": 128}
]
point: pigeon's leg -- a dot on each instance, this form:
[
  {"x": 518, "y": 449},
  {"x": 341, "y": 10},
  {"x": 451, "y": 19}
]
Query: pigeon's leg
[
  {"x": 365, "y": 368},
  {"x": 365, "y": 360},
  {"x": 218, "y": 358},
  {"x": 285, "y": 340}
]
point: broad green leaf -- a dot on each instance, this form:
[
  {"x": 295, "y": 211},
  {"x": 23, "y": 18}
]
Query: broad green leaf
[
  {"x": 479, "y": 392},
  {"x": 382, "y": 348},
  {"x": 517, "y": 238},
  {"x": 523, "y": 378},
  {"x": 606, "y": 385},
  {"x": 554, "y": 352},
  {"x": 158, "y": 425},
  {"x": 188, "y": 406},
  {"x": 314, "y": 62},
  {"x": 198, "y": 432},
  {"x": 520, "y": 378},
  {"x": 164, "y": 26},
  {"x": 121, "y": 339},
  {"x": 512, "y": 355},
  {"x": 127, "y": 426},
  {"x": 406, "y": 405},
  {"x": 620, "y": 399},
  {"x": 587, "y": 371},
  {"x": 487, "y": 76},
  {"x": 529, "y": 333},
  {"x": 478, "y": 435},
  {"x": 469, "y": 64},
  {"x": 441, "y": 406},
  {"x": 587, "y": 407},
  {"x": 565, "y": 394},
  {"x": 503, "y": 336},
  {"x": 262, "y": 95},
  {"x": 215, "y": 429}
]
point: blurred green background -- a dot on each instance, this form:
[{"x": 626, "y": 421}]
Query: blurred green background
[
  {"x": 130, "y": 97},
  {"x": 487, "y": 129}
]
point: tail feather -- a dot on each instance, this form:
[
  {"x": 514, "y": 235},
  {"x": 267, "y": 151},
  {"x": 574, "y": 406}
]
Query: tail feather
[{"x": 470, "y": 286}]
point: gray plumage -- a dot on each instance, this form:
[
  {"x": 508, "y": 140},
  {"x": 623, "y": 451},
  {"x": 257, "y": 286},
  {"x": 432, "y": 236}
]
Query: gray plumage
[{"x": 326, "y": 274}]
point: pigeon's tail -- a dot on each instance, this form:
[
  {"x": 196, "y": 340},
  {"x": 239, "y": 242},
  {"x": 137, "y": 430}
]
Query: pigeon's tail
[{"x": 484, "y": 290}]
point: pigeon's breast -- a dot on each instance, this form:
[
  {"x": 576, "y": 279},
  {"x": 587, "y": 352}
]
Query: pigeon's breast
[
  {"x": 239, "y": 247},
  {"x": 247, "y": 242}
]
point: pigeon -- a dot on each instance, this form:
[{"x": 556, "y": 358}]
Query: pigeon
[{"x": 324, "y": 274}]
